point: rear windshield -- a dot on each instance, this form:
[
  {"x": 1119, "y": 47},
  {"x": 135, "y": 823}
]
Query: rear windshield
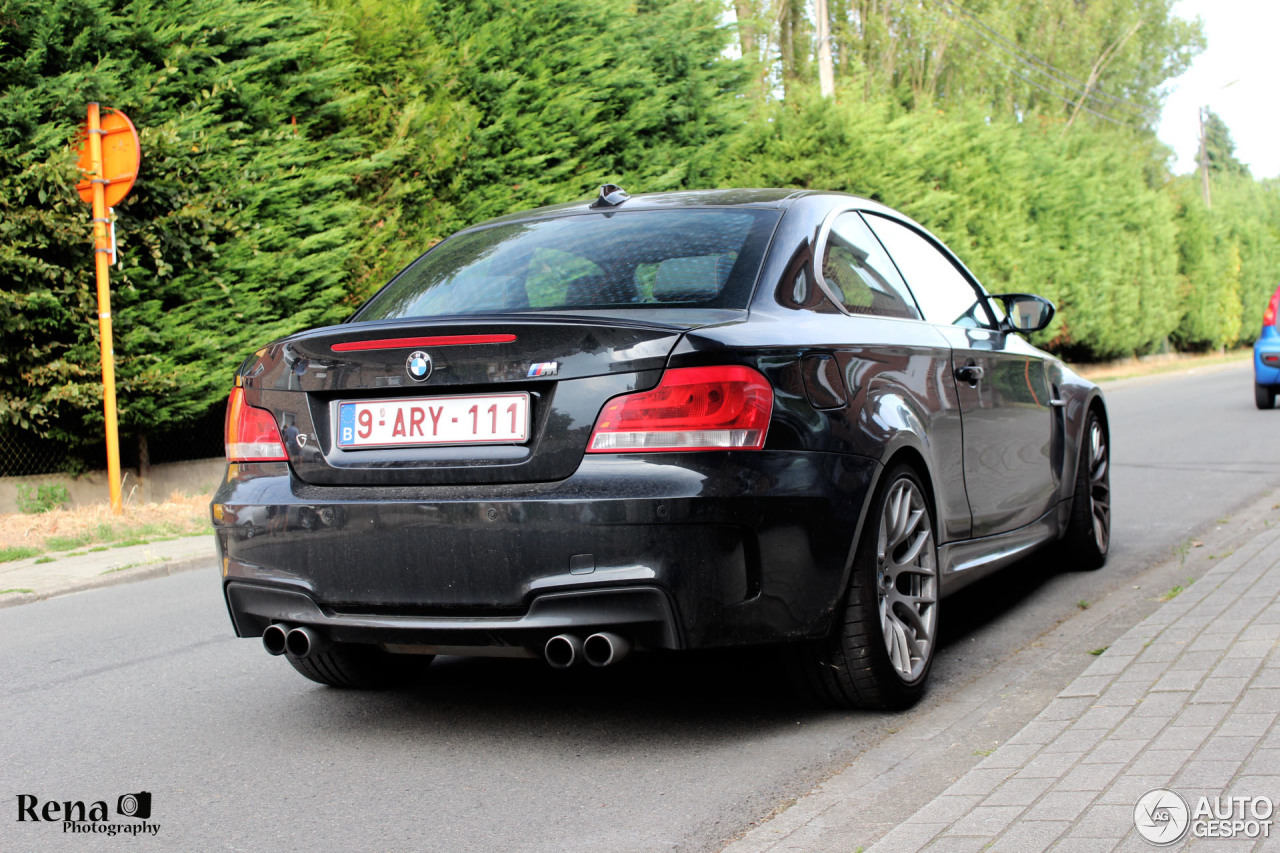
[{"x": 647, "y": 258}]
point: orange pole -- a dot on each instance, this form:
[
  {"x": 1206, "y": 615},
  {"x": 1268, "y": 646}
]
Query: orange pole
[{"x": 102, "y": 261}]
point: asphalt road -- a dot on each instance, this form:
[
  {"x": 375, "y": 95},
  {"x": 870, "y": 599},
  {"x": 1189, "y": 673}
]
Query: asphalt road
[{"x": 143, "y": 688}]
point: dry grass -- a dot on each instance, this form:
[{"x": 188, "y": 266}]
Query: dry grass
[
  {"x": 1153, "y": 364},
  {"x": 67, "y": 529}
]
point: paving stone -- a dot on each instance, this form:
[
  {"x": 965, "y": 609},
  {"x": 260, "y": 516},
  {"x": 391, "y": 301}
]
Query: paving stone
[
  {"x": 1129, "y": 788},
  {"x": 1105, "y": 821},
  {"x": 1211, "y": 774},
  {"x": 1207, "y": 642},
  {"x": 1115, "y": 750},
  {"x": 1178, "y": 680},
  {"x": 1066, "y": 709},
  {"x": 908, "y": 837},
  {"x": 1021, "y": 791},
  {"x": 1040, "y": 732},
  {"x": 1142, "y": 728},
  {"x": 1009, "y": 756},
  {"x": 979, "y": 782},
  {"x": 1109, "y": 664},
  {"x": 1089, "y": 777},
  {"x": 1242, "y": 724},
  {"x": 1165, "y": 705},
  {"x": 1166, "y": 763},
  {"x": 948, "y": 808},
  {"x": 1259, "y": 700},
  {"x": 1072, "y": 844},
  {"x": 1075, "y": 740},
  {"x": 1206, "y": 714},
  {"x": 1184, "y": 737},
  {"x": 1061, "y": 805},
  {"x": 1086, "y": 685},
  {"x": 959, "y": 844},
  {"x": 1101, "y": 717},
  {"x": 986, "y": 820},
  {"x": 1048, "y": 765},
  {"x": 1219, "y": 689},
  {"x": 1030, "y": 836},
  {"x": 1228, "y": 748}
]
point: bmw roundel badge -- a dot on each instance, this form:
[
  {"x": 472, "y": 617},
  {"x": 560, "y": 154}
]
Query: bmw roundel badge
[{"x": 418, "y": 365}]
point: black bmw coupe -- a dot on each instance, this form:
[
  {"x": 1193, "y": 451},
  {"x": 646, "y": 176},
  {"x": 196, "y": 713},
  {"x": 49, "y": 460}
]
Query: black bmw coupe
[{"x": 672, "y": 421}]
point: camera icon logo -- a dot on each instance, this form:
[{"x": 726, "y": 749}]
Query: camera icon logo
[
  {"x": 1161, "y": 816},
  {"x": 135, "y": 805}
]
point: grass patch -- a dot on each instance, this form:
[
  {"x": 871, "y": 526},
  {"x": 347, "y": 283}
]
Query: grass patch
[
  {"x": 1082, "y": 604},
  {"x": 1096, "y": 652},
  {"x": 67, "y": 543},
  {"x": 46, "y": 560},
  {"x": 17, "y": 552},
  {"x": 96, "y": 527},
  {"x": 17, "y": 589}
]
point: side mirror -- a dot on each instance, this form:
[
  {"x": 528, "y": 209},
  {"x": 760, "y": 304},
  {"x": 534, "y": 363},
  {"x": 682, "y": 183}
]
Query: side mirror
[{"x": 1025, "y": 312}]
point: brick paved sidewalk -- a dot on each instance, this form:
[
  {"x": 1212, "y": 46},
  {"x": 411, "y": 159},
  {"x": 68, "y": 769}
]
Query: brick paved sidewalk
[{"x": 1186, "y": 700}]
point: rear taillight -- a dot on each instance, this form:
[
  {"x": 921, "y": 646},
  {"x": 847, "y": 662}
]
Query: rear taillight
[
  {"x": 1269, "y": 318},
  {"x": 250, "y": 434},
  {"x": 693, "y": 408}
]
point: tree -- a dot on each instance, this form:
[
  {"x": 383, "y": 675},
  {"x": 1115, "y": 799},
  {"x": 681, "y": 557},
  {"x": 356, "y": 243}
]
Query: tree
[
  {"x": 238, "y": 230},
  {"x": 1219, "y": 148}
]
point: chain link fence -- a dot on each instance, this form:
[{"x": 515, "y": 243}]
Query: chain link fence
[{"x": 24, "y": 453}]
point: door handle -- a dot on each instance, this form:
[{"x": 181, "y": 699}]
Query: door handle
[{"x": 970, "y": 373}]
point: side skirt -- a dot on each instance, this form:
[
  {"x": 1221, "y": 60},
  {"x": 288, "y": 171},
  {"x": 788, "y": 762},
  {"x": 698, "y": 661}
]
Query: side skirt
[{"x": 966, "y": 561}]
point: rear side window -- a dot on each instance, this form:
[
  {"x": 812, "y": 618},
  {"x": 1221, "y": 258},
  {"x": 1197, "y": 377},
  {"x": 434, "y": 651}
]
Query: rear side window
[
  {"x": 646, "y": 258},
  {"x": 859, "y": 273}
]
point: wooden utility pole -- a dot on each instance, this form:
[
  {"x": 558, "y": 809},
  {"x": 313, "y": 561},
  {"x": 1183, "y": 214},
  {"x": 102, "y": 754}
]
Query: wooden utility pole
[{"x": 1204, "y": 160}]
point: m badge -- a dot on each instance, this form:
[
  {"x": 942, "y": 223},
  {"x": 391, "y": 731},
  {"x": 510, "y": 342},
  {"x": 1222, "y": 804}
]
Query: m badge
[{"x": 544, "y": 368}]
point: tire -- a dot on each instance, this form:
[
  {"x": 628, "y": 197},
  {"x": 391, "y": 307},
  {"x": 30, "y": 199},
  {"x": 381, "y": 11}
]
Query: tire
[
  {"x": 1264, "y": 396},
  {"x": 881, "y": 648},
  {"x": 1088, "y": 536},
  {"x": 360, "y": 666}
]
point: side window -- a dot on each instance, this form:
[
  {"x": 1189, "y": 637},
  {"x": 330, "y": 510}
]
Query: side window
[
  {"x": 944, "y": 293},
  {"x": 860, "y": 274}
]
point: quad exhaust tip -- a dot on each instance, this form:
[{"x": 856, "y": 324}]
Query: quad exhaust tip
[
  {"x": 303, "y": 642},
  {"x": 605, "y": 648},
  {"x": 562, "y": 651},
  {"x": 273, "y": 639}
]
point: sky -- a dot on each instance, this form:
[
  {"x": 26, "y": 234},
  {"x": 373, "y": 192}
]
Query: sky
[{"x": 1237, "y": 76}]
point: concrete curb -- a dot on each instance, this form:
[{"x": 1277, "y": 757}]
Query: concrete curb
[{"x": 97, "y": 573}]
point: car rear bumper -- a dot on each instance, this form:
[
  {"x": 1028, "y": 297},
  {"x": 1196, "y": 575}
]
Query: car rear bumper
[{"x": 675, "y": 550}]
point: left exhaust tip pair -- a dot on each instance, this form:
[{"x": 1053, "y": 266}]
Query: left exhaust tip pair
[
  {"x": 299, "y": 642},
  {"x": 601, "y": 649}
]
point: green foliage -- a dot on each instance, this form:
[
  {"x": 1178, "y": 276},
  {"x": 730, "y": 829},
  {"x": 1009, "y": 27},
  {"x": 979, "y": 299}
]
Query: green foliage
[
  {"x": 42, "y": 498},
  {"x": 492, "y": 106},
  {"x": 238, "y": 230},
  {"x": 296, "y": 153}
]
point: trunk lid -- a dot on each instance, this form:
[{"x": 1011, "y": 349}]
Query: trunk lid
[{"x": 563, "y": 367}]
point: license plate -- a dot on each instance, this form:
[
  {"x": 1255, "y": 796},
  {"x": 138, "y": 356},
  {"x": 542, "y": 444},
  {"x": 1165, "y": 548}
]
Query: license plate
[{"x": 487, "y": 419}]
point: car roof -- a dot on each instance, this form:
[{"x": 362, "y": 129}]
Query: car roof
[{"x": 759, "y": 198}]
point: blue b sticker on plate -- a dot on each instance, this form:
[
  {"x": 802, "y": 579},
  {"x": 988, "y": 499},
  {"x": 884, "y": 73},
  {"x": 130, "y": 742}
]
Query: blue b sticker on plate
[{"x": 346, "y": 424}]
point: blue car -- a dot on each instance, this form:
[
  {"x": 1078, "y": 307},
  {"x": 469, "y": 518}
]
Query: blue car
[{"x": 1266, "y": 357}]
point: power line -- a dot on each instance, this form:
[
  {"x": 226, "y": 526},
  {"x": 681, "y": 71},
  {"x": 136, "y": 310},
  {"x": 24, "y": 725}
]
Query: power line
[{"x": 1039, "y": 65}]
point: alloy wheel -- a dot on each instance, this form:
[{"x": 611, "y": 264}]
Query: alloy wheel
[
  {"x": 1099, "y": 486},
  {"x": 907, "y": 580}
]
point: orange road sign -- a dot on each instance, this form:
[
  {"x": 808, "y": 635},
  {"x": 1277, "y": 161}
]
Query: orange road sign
[{"x": 121, "y": 156}]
